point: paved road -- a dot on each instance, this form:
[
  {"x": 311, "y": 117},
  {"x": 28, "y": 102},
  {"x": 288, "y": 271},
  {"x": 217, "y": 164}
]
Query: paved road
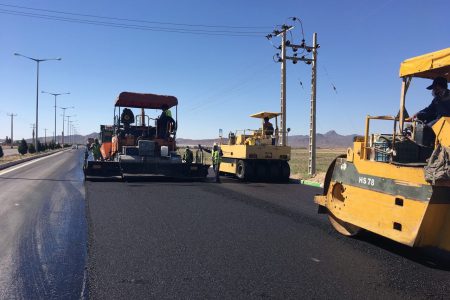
[
  {"x": 198, "y": 240},
  {"x": 166, "y": 240},
  {"x": 43, "y": 228}
]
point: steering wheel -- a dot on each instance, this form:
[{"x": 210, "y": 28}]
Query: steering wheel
[{"x": 389, "y": 142}]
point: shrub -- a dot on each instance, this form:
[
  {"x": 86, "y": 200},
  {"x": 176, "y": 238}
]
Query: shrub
[
  {"x": 51, "y": 145},
  {"x": 31, "y": 149},
  {"x": 23, "y": 147},
  {"x": 40, "y": 146}
]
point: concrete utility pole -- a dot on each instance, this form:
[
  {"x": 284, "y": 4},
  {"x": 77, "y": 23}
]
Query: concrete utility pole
[
  {"x": 12, "y": 115},
  {"x": 283, "y": 32},
  {"x": 33, "y": 126},
  {"x": 310, "y": 61},
  {"x": 283, "y": 89},
  {"x": 312, "y": 123},
  {"x": 45, "y": 136}
]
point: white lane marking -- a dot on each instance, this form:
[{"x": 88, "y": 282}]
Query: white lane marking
[
  {"x": 27, "y": 163},
  {"x": 16, "y": 204},
  {"x": 83, "y": 288},
  {"x": 315, "y": 259}
]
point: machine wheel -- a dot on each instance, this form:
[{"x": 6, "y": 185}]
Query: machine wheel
[
  {"x": 261, "y": 171},
  {"x": 329, "y": 174},
  {"x": 342, "y": 227},
  {"x": 275, "y": 171},
  {"x": 240, "y": 170},
  {"x": 285, "y": 171},
  {"x": 244, "y": 170}
]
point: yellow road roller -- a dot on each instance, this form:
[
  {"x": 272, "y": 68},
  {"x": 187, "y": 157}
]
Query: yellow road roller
[
  {"x": 255, "y": 155},
  {"x": 396, "y": 185}
]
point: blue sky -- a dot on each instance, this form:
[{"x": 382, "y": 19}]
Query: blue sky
[{"x": 218, "y": 80}]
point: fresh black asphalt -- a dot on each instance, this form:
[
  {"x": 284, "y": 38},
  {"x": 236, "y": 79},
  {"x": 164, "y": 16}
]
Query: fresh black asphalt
[
  {"x": 62, "y": 238},
  {"x": 179, "y": 240}
]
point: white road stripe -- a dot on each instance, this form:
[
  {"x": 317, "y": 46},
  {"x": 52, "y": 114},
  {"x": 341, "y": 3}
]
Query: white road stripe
[{"x": 27, "y": 163}]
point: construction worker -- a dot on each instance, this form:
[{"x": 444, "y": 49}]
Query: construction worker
[
  {"x": 165, "y": 111},
  {"x": 96, "y": 150},
  {"x": 166, "y": 123},
  {"x": 440, "y": 106},
  {"x": 267, "y": 127},
  {"x": 216, "y": 156},
  {"x": 188, "y": 156}
]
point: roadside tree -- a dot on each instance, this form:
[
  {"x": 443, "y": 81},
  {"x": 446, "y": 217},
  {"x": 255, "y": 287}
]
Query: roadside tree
[
  {"x": 23, "y": 147},
  {"x": 40, "y": 146},
  {"x": 31, "y": 149}
]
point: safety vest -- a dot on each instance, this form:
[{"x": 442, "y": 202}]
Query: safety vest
[
  {"x": 216, "y": 157},
  {"x": 188, "y": 156},
  {"x": 96, "y": 150},
  {"x": 168, "y": 113}
]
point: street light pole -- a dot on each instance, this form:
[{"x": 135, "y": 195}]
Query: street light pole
[
  {"x": 56, "y": 95},
  {"x": 74, "y": 131},
  {"x": 64, "y": 113},
  {"x": 37, "y": 91},
  {"x": 68, "y": 121}
]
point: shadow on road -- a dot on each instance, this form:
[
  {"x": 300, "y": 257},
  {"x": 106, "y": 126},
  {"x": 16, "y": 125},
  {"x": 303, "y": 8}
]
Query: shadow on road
[{"x": 430, "y": 257}]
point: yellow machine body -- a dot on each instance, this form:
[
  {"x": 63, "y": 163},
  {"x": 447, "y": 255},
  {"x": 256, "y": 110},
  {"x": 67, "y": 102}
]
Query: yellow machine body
[
  {"x": 255, "y": 155},
  {"x": 383, "y": 190}
]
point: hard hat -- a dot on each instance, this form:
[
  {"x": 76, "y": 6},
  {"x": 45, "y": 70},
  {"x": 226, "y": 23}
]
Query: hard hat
[{"x": 215, "y": 144}]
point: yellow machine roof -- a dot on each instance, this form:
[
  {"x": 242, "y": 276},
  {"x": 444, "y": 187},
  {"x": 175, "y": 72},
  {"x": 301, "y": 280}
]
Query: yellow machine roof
[
  {"x": 430, "y": 65},
  {"x": 264, "y": 114}
]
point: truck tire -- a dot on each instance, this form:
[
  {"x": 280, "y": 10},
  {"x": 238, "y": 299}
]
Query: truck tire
[
  {"x": 275, "y": 171},
  {"x": 262, "y": 171},
  {"x": 244, "y": 170},
  {"x": 285, "y": 171},
  {"x": 241, "y": 170}
]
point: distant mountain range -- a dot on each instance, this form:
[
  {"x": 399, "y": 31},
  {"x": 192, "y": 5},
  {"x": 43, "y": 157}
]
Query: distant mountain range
[{"x": 331, "y": 139}]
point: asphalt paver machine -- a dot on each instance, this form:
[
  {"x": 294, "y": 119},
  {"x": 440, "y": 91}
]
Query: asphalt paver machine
[{"x": 140, "y": 145}]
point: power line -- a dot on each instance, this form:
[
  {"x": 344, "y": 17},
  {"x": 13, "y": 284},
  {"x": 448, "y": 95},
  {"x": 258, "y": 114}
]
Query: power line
[
  {"x": 133, "y": 20},
  {"x": 213, "y": 99},
  {"x": 132, "y": 26}
]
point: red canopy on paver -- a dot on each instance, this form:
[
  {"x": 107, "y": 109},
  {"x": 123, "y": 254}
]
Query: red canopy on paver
[{"x": 139, "y": 100}]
